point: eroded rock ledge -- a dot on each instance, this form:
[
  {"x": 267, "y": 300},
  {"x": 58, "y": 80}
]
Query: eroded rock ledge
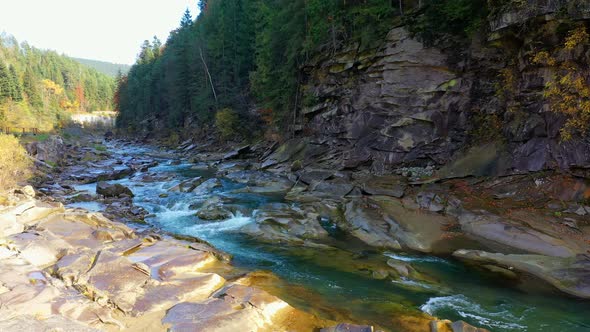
[{"x": 71, "y": 270}]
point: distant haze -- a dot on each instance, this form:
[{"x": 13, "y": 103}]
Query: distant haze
[
  {"x": 106, "y": 30},
  {"x": 108, "y": 68}
]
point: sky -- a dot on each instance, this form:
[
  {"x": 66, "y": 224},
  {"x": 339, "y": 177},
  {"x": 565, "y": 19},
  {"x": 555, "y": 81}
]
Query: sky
[{"x": 106, "y": 30}]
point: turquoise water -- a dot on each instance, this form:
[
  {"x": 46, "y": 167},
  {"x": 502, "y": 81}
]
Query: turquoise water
[{"x": 329, "y": 283}]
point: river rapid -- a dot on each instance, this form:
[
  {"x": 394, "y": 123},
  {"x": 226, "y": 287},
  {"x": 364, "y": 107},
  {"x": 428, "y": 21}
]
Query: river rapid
[{"x": 333, "y": 283}]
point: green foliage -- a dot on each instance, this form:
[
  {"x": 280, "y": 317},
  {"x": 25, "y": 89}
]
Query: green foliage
[
  {"x": 227, "y": 123},
  {"x": 107, "y": 68},
  {"x": 40, "y": 88},
  {"x": 15, "y": 166},
  {"x": 437, "y": 19},
  {"x": 239, "y": 53}
]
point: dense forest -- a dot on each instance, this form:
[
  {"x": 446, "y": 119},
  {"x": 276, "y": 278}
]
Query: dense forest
[
  {"x": 238, "y": 64},
  {"x": 39, "y": 89}
]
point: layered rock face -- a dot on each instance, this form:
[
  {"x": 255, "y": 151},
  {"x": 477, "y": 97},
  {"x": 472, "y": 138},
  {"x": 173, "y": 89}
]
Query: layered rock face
[{"x": 408, "y": 104}]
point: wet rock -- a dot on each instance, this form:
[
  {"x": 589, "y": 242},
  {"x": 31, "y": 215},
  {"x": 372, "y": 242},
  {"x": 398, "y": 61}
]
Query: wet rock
[
  {"x": 365, "y": 223},
  {"x": 207, "y": 186},
  {"x": 281, "y": 222},
  {"x": 237, "y": 153},
  {"x": 81, "y": 198},
  {"x": 384, "y": 185},
  {"x": 213, "y": 209},
  {"x": 113, "y": 190},
  {"x": 382, "y": 221},
  {"x": 344, "y": 327},
  {"x": 261, "y": 182},
  {"x": 188, "y": 185},
  {"x": 568, "y": 274},
  {"x": 117, "y": 174}
]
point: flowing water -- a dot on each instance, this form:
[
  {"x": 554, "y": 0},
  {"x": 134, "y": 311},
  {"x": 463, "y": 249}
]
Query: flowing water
[{"x": 326, "y": 281}]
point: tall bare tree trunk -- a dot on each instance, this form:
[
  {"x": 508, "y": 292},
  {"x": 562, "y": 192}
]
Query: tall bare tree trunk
[{"x": 208, "y": 74}]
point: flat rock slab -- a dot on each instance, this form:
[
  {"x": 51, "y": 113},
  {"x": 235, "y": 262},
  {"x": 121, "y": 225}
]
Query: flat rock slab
[
  {"x": 51, "y": 324},
  {"x": 238, "y": 308},
  {"x": 512, "y": 237},
  {"x": 571, "y": 275}
]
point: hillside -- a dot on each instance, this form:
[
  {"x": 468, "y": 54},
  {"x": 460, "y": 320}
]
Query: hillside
[
  {"x": 107, "y": 68},
  {"x": 40, "y": 89}
]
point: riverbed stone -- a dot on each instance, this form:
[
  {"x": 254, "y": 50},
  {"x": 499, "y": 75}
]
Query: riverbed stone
[
  {"x": 207, "y": 186},
  {"x": 285, "y": 223},
  {"x": 113, "y": 190},
  {"x": 213, "y": 209},
  {"x": 571, "y": 275},
  {"x": 383, "y": 221}
]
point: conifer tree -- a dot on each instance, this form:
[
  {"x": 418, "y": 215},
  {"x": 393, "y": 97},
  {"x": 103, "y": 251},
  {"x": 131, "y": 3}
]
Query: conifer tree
[
  {"x": 5, "y": 82},
  {"x": 17, "y": 90}
]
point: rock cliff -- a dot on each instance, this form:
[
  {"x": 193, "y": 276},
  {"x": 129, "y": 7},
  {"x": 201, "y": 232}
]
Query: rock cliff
[{"x": 406, "y": 104}]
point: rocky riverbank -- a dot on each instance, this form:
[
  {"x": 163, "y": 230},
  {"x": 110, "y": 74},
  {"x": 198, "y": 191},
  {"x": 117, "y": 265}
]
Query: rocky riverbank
[
  {"x": 75, "y": 270},
  {"x": 527, "y": 229},
  {"x": 525, "y": 225}
]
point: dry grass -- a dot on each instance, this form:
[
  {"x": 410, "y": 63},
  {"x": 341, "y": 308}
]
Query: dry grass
[{"x": 15, "y": 166}]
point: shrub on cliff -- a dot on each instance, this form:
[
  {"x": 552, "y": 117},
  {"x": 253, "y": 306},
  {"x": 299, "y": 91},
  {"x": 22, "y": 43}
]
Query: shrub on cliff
[
  {"x": 568, "y": 92},
  {"x": 227, "y": 122},
  {"x": 15, "y": 166}
]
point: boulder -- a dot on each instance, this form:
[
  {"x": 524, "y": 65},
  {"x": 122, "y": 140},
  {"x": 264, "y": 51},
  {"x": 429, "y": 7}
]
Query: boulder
[
  {"x": 27, "y": 191},
  {"x": 113, "y": 190},
  {"x": 383, "y": 221},
  {"x": 285, "y": 223},
  {"x": 207, "y": 186},
  {"x": 237, "y": 153},
  {"x": 49, "y": 151},
  {"x": 188, "y": 185},
  {"x": 213, "y": 209}
]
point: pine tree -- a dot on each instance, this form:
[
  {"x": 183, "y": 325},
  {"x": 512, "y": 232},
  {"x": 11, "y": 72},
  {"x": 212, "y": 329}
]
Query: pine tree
[
  {"x": 187, "y": 19},
  {"x": 31, "y": 89},
  {"x": 17, "y": 89},
  {"x": 5, "y": 83},
  {"x": 146, "y": 55},
  {"x": 156, "y": 47}
]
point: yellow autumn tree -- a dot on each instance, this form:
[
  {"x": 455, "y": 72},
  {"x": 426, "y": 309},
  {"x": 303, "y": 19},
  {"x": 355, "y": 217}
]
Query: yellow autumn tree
[
  {"x": 15, "y": 166},
  {"x": 569, "y": 91}
]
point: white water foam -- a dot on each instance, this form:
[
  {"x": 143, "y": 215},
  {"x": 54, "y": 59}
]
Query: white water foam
[
  {"x": 412, "y": 283},
  {"x": 418, "y": 259},
  {"x": 470, "y": 310},
  {"x": 236, "y": 222}
]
